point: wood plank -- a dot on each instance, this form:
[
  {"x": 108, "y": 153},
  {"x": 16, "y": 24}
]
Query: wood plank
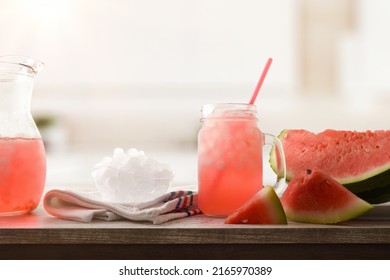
[
  {"x": 39, "y": 228},
  {"x": 40, "y": 236},
  {"x": 196, "y": 252},
  {"x": 256, "y": 235}
]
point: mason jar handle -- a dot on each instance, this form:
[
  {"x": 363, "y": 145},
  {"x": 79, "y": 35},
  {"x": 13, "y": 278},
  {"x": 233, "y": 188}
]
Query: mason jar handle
[{"x": 278, "y": 161}]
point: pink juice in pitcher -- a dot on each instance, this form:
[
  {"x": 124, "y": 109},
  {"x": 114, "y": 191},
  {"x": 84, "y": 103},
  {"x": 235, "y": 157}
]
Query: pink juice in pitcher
[
  {"x": 22, "y": 174},
  {"x": 229, "y": 159}
]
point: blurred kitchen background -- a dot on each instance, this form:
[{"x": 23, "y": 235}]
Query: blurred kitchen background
[{"x": 134, "y": 73}]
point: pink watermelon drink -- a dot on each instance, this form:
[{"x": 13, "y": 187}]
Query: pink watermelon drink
[
  {"x": 229, "y": 158},
  {"x": 22, "y": 174}
]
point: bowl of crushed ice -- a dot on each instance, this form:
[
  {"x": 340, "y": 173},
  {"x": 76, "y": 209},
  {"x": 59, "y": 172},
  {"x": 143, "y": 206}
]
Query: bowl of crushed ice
[{"x": 131, "y": 177}]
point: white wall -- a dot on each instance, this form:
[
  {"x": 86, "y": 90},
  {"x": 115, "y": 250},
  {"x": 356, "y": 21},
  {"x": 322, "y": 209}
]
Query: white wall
[
  {"x": 365, "y": 54},
  {"x": 151, "y": 42},
  {"x": 136, "y": 72}
]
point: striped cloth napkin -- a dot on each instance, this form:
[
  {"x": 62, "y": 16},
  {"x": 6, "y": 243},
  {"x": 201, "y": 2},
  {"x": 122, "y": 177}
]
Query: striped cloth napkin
[{"x": 86, "y": 206}]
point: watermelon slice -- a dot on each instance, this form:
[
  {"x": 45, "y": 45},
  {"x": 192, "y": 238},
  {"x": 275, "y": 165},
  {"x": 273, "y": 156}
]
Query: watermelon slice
[
  {"x": 263, "y": 208},
  {"x": 314, "y": 197},
  {"x": 358, "y": 160}
]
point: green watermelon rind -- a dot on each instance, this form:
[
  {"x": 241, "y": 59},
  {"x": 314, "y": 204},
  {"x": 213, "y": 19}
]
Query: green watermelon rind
[
  {"x": 375, "y": 189},
  {"x": 279, "y": 215},
  {"x": 372, "y": 186},
  {"x": 350, "y": 211},
  {"x": 367, "y": 175}
]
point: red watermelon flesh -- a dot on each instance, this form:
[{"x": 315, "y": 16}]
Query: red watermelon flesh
[
  {"x": 346, "y": 156},
  {"x": 263, "y": 208},
  {"x": 314, "y": 197}
]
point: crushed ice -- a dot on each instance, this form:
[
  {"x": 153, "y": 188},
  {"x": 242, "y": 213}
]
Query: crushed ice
[{"x": 131, "y": 176}]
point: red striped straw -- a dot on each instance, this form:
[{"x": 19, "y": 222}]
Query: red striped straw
[{"x": 260, "y": 82}]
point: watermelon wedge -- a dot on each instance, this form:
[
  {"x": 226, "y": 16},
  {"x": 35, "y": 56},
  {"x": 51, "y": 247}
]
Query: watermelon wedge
[
  {"x": 263, "y": 208},
  {"x": 358, "y": 160},
  {"x": 314, "y": 197}
]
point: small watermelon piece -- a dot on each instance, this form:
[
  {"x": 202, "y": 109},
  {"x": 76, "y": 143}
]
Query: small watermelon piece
[
  {"x": 360, "y": 161},
  {"x": 263, "y": 208},
  {"x": 314, "y": 197}
]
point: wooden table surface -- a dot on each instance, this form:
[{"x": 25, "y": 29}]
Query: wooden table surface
[{"x": 40, "y": 236}]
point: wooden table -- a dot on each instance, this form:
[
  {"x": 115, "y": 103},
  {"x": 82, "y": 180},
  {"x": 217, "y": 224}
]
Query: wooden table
[{"x": 40, "y": 236}]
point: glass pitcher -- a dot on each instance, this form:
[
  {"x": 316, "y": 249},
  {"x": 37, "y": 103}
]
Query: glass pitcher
[{"x": 22, "y": 154}]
